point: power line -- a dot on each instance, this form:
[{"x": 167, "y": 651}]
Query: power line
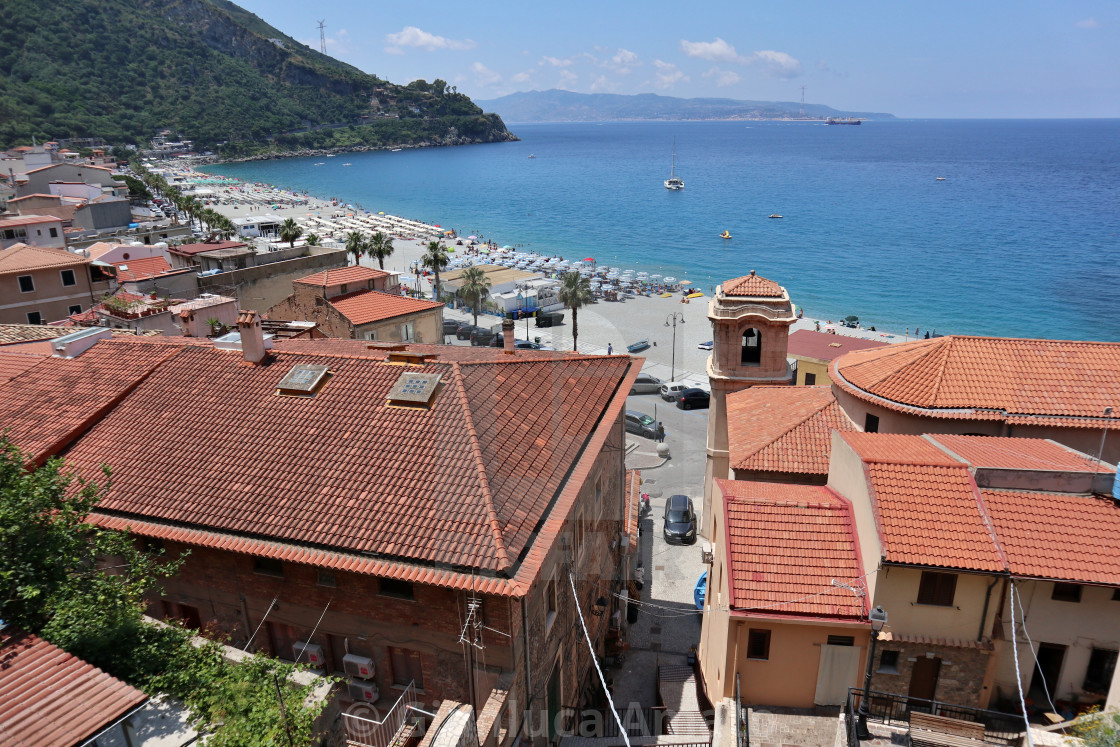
[
  {"x": 595, "y": 661},
  {"x": 1018, "y": 677}
]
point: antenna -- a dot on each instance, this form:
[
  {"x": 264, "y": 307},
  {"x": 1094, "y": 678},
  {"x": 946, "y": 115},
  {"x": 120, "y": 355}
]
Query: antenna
[
  {"x": 802, "y": 101},
  {"x": 323, "y": 37}
]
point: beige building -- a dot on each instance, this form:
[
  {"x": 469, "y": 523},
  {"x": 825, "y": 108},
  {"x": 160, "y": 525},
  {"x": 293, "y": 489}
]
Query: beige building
[
  {"x": 46, "y": 285},
  {"x": 812, "y": 352}
]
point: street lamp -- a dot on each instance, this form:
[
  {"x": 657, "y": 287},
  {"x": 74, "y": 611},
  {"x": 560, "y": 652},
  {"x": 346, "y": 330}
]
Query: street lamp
[
  {"x": 878, "y": 619},
  {"x": 674, "y": 317}
]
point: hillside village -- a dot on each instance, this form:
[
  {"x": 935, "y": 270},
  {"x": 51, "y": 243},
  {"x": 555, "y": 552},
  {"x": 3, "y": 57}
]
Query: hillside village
[{"x": 915, "y": 540}]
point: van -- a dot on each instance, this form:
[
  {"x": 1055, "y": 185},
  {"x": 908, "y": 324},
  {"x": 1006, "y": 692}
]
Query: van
[
  {"x": 671, "y": 390},
  {"x": 551, "y": 319}
]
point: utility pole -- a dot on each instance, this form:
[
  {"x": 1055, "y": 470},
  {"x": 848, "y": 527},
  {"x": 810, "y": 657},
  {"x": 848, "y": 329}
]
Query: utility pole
[{"x": 323, "y": 37}]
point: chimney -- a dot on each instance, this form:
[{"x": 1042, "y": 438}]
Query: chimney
[
  {"x": 252, "y": 336},
  {"x": 507, "y": 335}
]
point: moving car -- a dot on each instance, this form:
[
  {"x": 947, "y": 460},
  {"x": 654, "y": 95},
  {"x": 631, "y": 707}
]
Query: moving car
[
  {"x": 646, "y": 384},
  {"x": 706, "y": 345},
  {"x": 641, "y": 424},
  {"x": 671, "y": 390},
  {"x": 680, "y": 520},
  {"x": 693, "y": 397}
]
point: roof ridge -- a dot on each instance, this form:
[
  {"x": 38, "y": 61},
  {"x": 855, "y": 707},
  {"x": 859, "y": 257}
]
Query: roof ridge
[
  {"x": 809, "y": 416},
  {"x": 986, "y": 517},
  {"x": 476, "y": 452}
]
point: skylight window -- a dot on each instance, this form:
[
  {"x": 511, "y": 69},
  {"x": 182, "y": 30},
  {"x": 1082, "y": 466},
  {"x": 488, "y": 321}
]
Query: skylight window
[
  {"x": 304, "y": 380},
  {"x": 414, "y": 390}
]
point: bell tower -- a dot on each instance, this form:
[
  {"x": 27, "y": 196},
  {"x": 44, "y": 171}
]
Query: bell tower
[{"x": 751, "y": 317}]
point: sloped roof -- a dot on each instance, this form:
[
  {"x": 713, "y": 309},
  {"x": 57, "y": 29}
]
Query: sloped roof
[
  {"x": 785, "y": 544},
  {"x": 366, "y": 306},
  {"x": 19, "y": 333},
  {"x": 348, "y": 274},
  {"x": 783, "y": 428},
  {"x": 1019, "y": 454},
  {"x": 753, "y": 285},
  {"x": 190, "y": 250},
  {"x": 141, "y": 269},
  {"x": 826, "y": 347},
  {"x": 26, "y": 258},
  {"x": 49, "y": 698},
  {"x": 1032, "y": 382},
  {"x": 13, "y": 364},
  {"x": 28, "y": 220}
]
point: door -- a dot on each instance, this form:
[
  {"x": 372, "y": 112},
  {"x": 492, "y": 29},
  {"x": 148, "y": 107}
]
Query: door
[
  {"x": 554, "y": 702},
  {"x": 837, "y": 671},
  {"x": 923, "y": 679},
  {"x": 1050, "y": 658}
]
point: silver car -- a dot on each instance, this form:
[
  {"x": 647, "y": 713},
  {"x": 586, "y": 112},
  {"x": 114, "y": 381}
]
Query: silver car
[{"x": 646, "y": 384}]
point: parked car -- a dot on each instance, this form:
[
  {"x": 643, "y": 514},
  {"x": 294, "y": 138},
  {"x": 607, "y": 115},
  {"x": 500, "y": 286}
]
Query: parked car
[
  {"x": 641, "y": 424},
  {"x": 706, "y": 345},
  {"x": 693, "y": 398},
  {"x": 680, "y": 520},
  {"x": 480, "y": 338},
  {"x": 451, "y": 326},
  {"x": 671, "y": 390},
  {"x": 646, "y": 384},
  {"x": 464, "y": 332},
  {"x": 551, "y": 319}
]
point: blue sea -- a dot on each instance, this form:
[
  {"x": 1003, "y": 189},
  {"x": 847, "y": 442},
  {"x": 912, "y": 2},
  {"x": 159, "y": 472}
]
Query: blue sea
[{"x": 1020, "y": 239}]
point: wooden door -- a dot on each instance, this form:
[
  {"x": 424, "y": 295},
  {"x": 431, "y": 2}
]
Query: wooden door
[{"x": 923, "y": 679}]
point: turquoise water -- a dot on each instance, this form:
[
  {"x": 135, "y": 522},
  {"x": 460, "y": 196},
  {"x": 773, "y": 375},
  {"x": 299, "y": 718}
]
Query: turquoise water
[{"x": 1020, "y": 239}]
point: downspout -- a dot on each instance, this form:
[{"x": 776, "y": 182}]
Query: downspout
[
  {"x": 987, "y": 601},
  {"x": 528, "y": 669}
]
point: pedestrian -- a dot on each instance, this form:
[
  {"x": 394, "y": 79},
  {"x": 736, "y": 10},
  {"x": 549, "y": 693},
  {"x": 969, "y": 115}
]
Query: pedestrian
[
  {"x": 660, "y": 432},
  {"x": 610, "y": 349}
]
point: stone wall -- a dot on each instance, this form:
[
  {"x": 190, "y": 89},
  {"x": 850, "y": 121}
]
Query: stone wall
[
  {"x": 264, "y": 286},
  {"x": 961, "y": 679}
]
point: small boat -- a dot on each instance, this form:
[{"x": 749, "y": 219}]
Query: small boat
[
  {"x": 674, "y": 182},
  {"x": 330, "y": 155},
  {"x": 347, "y": 164},
  {"x": 775, "y": 215},
  {"x": 531, "y": 156},
  {"x": 940, "y": 178},
  {"x": 725, "y": 235},
  {"x": 395, "y": 150},
  {"x": 637, "y": 347},
  {"x": 700, "y": 591}
]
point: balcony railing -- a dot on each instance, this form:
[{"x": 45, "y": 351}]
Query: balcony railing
[
  {"x": 891, "y": 709},
  {"x": 369, "y": 732}
]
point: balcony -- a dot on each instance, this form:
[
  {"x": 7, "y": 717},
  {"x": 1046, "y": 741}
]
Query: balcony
[
  {"x": 365, "y": 727},
  {"x": 930, "y": 723}
]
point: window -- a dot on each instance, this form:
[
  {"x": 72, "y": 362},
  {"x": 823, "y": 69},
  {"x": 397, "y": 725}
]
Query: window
[
  {"x": 1098, "y": 676},
  {"x": 810, "y": 379},
  {"x": 54, "y": 233},
  {"x": 550, "y": 604},
  {"x": 871, "y": 423},
  {"x": 342, "y": 290},
  {"x": 372, "y": 335},
  {"x": 76, "y": 309},
  {"x": 268, "y": 567},
  {"x": 752, "y": 348},
  {"x": 408, "y": 331},
  {"x": 68, "y": 278},
  {"x": 34, "y": 317},
  {"x": 937, "y": 589},
  {"x": 841, "y": 640},
  {"x": 1116, "y": 595},
  {"x": 1066, "y": 593},
  {"x": 326, "y": 578},
  {"x": 405, "y": 664},
  {"x": 26, "y": 284},
  {"x": 888, "y": 662},
  {"x": 391, "y": 587},
  {"x": 758, "y": 644}
]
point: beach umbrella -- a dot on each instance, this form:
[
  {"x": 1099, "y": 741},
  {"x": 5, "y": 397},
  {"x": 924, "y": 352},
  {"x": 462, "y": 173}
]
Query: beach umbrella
[
  {"x": 588, "y": 259},
  {"x": 670, "y": 279},
  {"x": 686, "y": 282}
]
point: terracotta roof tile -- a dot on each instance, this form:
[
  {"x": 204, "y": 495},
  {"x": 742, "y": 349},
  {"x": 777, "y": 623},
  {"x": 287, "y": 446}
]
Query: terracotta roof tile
[
  {"x": 141, "y": 269},
  {"x": 49, "y": 698},
  {"x": 783, "y": 428},
  {"x": 366, "y": 306},
  {"x": 25, "y": 258},
  {"x": 1037, "y": 382},
  {"x": 1019, "y": 454},
  {"x": 753, "y": 285},
  {"x": 785, "y": 544},
  {"x": 896, "y": 448},
  {"x": 14, "y": 364},
  {"x": 20, "y": 333},
  {"x": 349, "y": 274},
  {"x": 826, "y": 347},
  {"x": 28, "y": 220}
]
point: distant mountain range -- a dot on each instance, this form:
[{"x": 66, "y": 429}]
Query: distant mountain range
[{"x": 565, "y": 106}]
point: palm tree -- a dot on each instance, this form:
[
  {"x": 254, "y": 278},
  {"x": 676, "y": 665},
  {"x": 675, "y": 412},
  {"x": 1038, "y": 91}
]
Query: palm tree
[
  {"x": 435, "y": 259},
  {"x": 475, "y": 288},
  {"x": 313, "y": 239},
  {"x": 380, "y": 248},
  {"x": 289, "y": 232},
  {"x": 575, "y": 293},
  {"x": 357, "y": 244}
]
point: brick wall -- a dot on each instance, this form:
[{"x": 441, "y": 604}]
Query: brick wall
[{"x": 960, "y": 680}]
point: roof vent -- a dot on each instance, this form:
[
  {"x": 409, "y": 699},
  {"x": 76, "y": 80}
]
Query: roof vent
[
  {"x": 76, "y": 343},
  {"x": 304, "y": 380},
  {"x": 416, "y": 390}
]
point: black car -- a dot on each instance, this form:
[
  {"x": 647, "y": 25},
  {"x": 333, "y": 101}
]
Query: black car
[
  {"x": 549, "y": 320},
  {"x": 465, "y": 331},
  {"x": 680, "y": 520},
  {"x": 480, "y": 338},
  {"x": 451, "y": 326},
  {"x": 693, "y": 397}
]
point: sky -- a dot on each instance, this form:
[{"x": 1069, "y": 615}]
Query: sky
[{"x": 946, "y": 59}]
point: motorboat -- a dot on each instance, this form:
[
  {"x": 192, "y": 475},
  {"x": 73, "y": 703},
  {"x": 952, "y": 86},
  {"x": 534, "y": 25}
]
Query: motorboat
[
  {"x": 775, "y": 215},
  {"x": 725, "y": 235}
]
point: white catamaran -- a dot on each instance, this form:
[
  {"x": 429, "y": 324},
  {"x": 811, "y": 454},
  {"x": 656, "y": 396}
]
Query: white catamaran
[{"x": 674, "y": 181}]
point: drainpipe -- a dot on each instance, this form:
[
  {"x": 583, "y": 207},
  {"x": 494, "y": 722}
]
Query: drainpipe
[
  {"x": 984, "y": 614},
  {"x": 528, "y": 669}
]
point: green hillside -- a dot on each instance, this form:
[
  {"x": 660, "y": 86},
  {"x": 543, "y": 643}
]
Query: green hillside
[{"x": 208, "y": 70}]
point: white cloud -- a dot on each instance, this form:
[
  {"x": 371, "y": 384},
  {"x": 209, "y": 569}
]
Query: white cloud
[
  {"x": 567, "y": 79},
  {"x": 555, "y": 61},
  {"x": 484, "y": 76},
  {"x": 410, "y": 36},
  {"x": 716, "y": 51},
  {"x": 1088, "y": 23},
  {"x": 521, "y": 77},
  {"x": 668, "y": 74},
  {"x": 723, "y": 77},
  {"x": 600, "y": 84},
  {"x": 625, "y": 57},
  {"x": 779, "y": 64}
]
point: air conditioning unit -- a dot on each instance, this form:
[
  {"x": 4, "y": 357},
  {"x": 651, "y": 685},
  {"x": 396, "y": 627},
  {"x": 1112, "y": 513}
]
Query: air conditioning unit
[
  {"x": 358, "y": 666},
  {"x": 362, "y": 690},
  {"x": 308, "y": 653}
]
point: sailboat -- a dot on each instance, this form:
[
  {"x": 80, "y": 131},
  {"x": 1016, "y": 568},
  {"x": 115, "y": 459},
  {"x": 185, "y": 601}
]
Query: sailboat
[{"x": 674, "y": 181}]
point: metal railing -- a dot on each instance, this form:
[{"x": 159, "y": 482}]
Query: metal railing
[
  {"x": 889, "y": 708},
  {"x": 742, "y": 719},
  {"x": 370, "y": 732}
]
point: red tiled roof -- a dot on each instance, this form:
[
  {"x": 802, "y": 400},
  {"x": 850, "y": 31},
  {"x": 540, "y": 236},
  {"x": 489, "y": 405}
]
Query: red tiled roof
[
  {"x": 444, "y": 353},
  {"x": 366, "y": 306},
  {"x": 1019, "y": 453},
  {"x": 49, "y": 698},
  {"x": 28, "y": 220},
  {"x": 896, "y": 448},
  {"x": 753, "y": 285},
  {"x": 25, "y": 258},
  {"x": 1031, "y": 382},
  {"x": 14, "y": 364},
  {"x": 785, "y": 544},
  {"x": 349, "y": 274},
  {"x": 192, "y": 249},
  {"x": 1058, "y": 536},
  {"x": 141, "y": 269},
  {"x": 825, "y": 347},
  {"x": 783, "y": 428}
]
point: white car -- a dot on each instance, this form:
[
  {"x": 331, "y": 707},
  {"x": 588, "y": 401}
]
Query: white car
[
  {"x": 706, "y": 345},
  {"x": 671, "y": 390}
]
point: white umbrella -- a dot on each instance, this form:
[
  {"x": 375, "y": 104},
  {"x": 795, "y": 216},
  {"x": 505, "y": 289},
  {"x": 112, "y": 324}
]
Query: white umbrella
[{"x": 670, "y": 280}]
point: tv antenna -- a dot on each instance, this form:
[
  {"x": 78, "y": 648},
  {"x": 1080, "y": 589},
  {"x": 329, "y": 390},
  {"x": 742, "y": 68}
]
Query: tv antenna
[
  {"x": 323, "y": 37},
  {"x": 802, "y": 100}
]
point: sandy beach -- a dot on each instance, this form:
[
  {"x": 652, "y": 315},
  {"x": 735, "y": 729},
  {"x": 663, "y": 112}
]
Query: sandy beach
[{"x": 602, "y": 324}]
